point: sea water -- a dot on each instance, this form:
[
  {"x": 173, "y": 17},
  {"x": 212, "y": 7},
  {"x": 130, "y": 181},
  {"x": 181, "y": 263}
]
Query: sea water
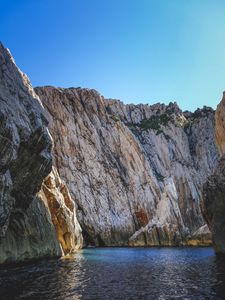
[{"x": 119, "y": 273}]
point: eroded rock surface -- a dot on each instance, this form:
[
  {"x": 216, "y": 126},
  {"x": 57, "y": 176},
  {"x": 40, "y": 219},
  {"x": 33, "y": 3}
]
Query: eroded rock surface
[
  {"x": 55, "y": 193},
  {"x": 220, "y": 125},
  {"x": 129, "y": 174},
  {"x": 26, "y": 227},
  {"x": 213, "y": 204},
  {"x": 26, "y": 230},
  {"x": 135, "y": 171}
]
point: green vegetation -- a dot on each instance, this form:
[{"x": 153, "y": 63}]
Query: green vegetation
[
  {"x": 195, "y": 116},
  {"x": 115, "y": 118},
  {"x": 159, "y": 131},
  {"x": 189, "y": 121},
  {"x": 159, "y": 176},
  {"x": 154, "y": 122},
  {"x": 131, "y": 126},
  {"x": 188, "y": 124}
]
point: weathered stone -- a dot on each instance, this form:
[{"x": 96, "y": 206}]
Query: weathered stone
[
  {"x": 135, "y": 172},
  {"x": 213, "y": 204},
  {"x": 131, "y": 174},
  {"x": 220, "y": 125},
  {"x": 26, "y": 227},
  {"x": 25, "y": 149},
  {"x": 56, "y": 195},
  {"x": 202, "y": 237}
]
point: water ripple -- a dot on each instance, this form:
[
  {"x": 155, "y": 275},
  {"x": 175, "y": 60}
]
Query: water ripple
[{"x": 120, "y": 273}]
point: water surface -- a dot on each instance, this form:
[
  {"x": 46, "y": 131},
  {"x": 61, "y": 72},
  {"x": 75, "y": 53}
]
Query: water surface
[{"x": 120, "y": 273}]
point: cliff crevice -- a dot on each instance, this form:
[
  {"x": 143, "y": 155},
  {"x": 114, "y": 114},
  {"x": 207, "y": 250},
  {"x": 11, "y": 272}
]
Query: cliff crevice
[{"x": 136, "y": 171}]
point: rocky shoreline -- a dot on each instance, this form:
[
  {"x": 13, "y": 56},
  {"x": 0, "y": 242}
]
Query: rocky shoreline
[{"x": 77, "y": 169}]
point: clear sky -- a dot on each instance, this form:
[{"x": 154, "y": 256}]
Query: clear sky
[{"x": 135, "y": 50}]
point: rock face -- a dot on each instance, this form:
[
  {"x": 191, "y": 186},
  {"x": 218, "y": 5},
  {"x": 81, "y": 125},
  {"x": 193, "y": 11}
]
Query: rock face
[
  {"x": 135, "y": 172},
  {"x": 55, "y": 193},
  {"x": 220, "y": 125},
  {"x": 213, "y": 204},
  {"x": 26, "y": 226},
  {"x": 128, "y": 174}
]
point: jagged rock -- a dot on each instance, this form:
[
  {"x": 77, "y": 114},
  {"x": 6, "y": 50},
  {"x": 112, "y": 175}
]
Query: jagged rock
[
  {"x": 220, "y": 125},
  {"x": 213, "y": 204},
  {"x": 135, "y": 172},
  {"x": 56, "y": 195},
  {"x": 26, "y": 228},
  {"x": 201, "y": 237},
  {"x": 25, "y": 149}
]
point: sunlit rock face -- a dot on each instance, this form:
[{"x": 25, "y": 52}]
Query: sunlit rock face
[
  {"x": 220, "y": 125},
  {"x": 213, "y": 204},
  {"x": 135, "y": 172},
  {"x": 26, "y": 226},
  {"x": 55, "y": 193}
]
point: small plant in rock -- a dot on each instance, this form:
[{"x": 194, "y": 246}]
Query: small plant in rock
[
  {"x": 159, "y": 176},
  {"x": 115, "y": 118},
  {"x": 155, "y": 122}
]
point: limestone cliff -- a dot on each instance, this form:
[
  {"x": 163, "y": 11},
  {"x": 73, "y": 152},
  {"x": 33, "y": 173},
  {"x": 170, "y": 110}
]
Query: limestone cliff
[
  {"x": 128, "y": 174},
  {"x": 220, "y": 125},
  {"x": 213, "y": 204},
  {"x": 135, "y": 172},
  {"x": 55, "y": 193},
  {"x": 26, "y": 218}
]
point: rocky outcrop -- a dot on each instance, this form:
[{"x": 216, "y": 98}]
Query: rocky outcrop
[
  {"x": 135, "y": 172},
  {"x": 220, "y": 125},
  {"x": 128, "y": 174},
  {"x": 213, "y": 204},
  {"x": 55, "y": 193},
  {"x": 26, "y": 227}
]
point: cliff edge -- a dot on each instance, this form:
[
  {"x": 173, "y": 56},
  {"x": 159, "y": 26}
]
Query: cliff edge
[
  {"x": 135, "y": 172},
  {"x": 213, "y": 204},
  {"x": 27, "y": 212}
]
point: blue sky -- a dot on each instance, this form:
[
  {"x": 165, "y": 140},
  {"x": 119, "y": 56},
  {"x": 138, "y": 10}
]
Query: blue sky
[{"x": 139, "y": 51}]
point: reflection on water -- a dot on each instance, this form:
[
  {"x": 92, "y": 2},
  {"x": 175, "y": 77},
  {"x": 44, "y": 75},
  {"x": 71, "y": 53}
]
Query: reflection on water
[{"x": 120, "y": 273}]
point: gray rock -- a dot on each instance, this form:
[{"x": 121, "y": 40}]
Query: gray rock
[
  {"x": 28, "y": 205},
  {"x": 135, "y": 171},
  {"x": 213, "y": 202}
]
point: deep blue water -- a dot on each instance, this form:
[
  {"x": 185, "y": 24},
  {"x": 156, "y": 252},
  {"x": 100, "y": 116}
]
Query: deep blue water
[{"x": 120, "y": 273}]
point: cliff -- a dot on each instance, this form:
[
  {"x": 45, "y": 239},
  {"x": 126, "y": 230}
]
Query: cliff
[
  {"x": 26, "y": 217},
  {"x": 126, "y": 174},
  {"x": 135, "y": 172},
  {"x": 213, "y": 204},
  {"x": 220, "y": 125}
]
